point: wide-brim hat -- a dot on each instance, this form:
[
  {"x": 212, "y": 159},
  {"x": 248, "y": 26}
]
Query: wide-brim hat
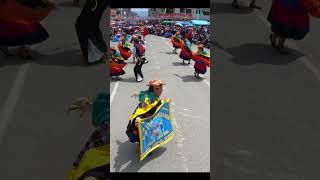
[{"x": 155, "y": 83}]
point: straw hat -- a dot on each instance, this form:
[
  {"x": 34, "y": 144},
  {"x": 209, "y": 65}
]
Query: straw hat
[{"x": 155, "y": 83}]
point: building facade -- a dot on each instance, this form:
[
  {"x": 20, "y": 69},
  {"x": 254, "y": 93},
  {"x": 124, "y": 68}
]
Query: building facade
[
  {"x": 120, "y": 14},
  {"x": 180, "y": 13}
]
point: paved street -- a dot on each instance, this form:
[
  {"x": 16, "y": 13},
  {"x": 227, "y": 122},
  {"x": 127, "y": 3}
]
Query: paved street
[
  {"x": 266, "y": 105},
  {"x": 190, "y": 148},
  {"x": 38, "y": 141}
]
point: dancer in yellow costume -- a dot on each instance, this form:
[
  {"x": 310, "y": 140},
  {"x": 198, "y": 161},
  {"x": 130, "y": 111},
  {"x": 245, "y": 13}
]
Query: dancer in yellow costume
[
  {"x": 93, "y": 161},
  {"x": 149, "y": 101}
]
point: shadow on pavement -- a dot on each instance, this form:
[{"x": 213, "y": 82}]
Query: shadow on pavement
[
  {"x": 65, "y": 58},
  {"x": 129, "y": 152},
  {"x": 250, "y": 54},
  {"x": 216, "y": 44},
  {"x": 189, "y": 78},
  {"x": 180, "y": 63},
  {"x": 168, "y": 53},
  {"x": 9, "y": 61},
  {"x": 223, "y": 8},
  {"x": 129, "y": 80}
]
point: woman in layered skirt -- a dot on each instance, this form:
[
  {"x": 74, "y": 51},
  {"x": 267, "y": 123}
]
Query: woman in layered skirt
[
  {"x": 288, "y": 19},
  {"x": 20, "y": 25},
  {"x": 186, "y": 52},
  {"x": 117, "y": 64},
  {"x": 176, "y": 42},
  {"x": 202, "y": 61}
]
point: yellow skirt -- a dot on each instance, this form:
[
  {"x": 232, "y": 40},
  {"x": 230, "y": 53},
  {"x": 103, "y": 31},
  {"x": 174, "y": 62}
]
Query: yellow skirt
[{"x": 93, "y": 158}]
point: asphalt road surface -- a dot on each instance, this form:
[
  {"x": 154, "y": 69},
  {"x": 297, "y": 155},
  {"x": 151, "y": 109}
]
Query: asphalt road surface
[
  {"x": 266, "y": 105},
  {"x": 37, "y": 139},
  {"x": 190, "y": 148}
]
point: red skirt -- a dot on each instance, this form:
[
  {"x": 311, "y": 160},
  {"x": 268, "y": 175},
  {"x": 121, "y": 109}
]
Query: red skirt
[
  {"x": 124, "y": 52},
  {"x": 289, "y": 19},
  {"x": 116, "y": 69},
  {"x": 16, "y": 34},
  {"x": 185, "y": 53}
]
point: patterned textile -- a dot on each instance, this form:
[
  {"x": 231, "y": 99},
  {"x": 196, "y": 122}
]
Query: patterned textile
[{"x": 97, "y": 139}]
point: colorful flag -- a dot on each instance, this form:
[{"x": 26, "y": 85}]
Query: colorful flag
[{"x": 156, "y": 130}]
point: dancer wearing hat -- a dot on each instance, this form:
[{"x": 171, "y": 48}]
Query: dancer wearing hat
[
  {"x": 202, "y": 60},
  {"x": 94, "y": 159},
  {"x": 149, "y": 101},
  {"x": 117, "y": 63},
  {"x": 186, "y": 51},
  {"x": 176, "y": 42},
  {"x": 124, "y": 48}
]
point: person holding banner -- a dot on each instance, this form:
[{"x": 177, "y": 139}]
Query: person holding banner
[
  {"x": 93, "y": 160},
  {"x": 149, "y": 101}
]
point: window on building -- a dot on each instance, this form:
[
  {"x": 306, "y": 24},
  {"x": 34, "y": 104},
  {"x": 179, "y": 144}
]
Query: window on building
[
  {"x": 182, "y": 10},
  {"x": 206, "y": 13},
  {"x": 188, "y": 11}
]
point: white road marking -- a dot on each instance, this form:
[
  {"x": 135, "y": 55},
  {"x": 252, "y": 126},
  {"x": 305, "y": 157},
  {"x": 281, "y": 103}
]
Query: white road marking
[
  {"x": 206, "y": 82},
  {"x": 303, "y": 59},
  {"x": 12, "y": 99},
  {"x": 114, "y": 92}
]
